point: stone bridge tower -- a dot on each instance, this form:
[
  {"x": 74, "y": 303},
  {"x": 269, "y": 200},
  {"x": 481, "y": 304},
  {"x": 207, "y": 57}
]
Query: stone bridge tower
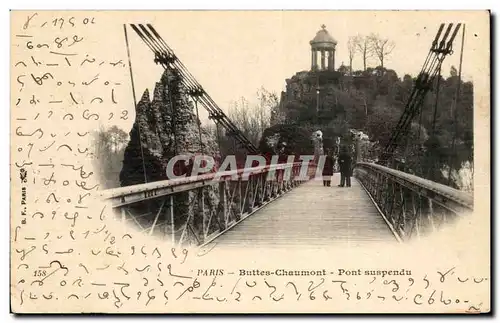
[{"x": 323, "y": 44}]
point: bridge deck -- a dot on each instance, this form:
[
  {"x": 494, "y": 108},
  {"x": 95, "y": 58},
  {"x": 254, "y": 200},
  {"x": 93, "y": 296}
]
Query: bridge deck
[{"x": 313, "y": 215}]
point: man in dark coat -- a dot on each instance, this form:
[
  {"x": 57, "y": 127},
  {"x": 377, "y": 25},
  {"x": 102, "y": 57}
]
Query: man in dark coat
[
  {"x": 345, "y": 167},
  {"x": 328, "y": 169}
]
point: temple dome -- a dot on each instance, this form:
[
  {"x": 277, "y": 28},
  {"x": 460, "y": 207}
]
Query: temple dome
[{"x": 323, "y": 39}]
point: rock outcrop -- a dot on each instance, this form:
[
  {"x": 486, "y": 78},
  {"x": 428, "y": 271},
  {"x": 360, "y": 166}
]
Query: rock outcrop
[
  {"x": 163, "y": 130},
  {"x": 300, "y": 113},
  {"x": 166, "y": 126}
]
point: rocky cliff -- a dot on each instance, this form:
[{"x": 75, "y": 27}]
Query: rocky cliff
[
  {"x": 302, "y": 111},
  {"x": 166, "y": 126}
]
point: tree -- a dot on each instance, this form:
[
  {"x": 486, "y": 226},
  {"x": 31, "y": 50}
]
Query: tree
[
  {"x": 117, "y": 138},
  {"x": 252, "y": 120},
  {"x": 364, "y": 47},
  {"x": 268, "y": 103},
  {"x": 351, "y": 48},
  {"x": 381, "y": 47},
  {"x": 381, "y": 123},
  {"x": 289, "y": 139},
  {"x": 374, "y": 104},
  {"x": 109, "y": 145}
]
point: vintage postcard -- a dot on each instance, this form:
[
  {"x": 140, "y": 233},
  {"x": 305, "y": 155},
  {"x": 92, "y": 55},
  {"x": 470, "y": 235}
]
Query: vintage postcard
[{"x": 250, "y": 162}]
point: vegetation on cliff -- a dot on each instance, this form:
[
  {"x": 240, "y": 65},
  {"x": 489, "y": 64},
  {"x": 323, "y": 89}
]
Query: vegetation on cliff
[{"x": 372, "y": 101}]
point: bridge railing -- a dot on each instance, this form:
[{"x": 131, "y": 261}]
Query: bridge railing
[
  {"x": 195, "y": 210},
  {"x": 412, "y": 206}
]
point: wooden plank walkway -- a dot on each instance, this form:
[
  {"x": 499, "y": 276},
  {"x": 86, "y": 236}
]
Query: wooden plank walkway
[{"x": 312, "y": 215}]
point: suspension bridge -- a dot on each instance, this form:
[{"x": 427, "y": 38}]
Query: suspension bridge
[{"x": 277, "y": 205}]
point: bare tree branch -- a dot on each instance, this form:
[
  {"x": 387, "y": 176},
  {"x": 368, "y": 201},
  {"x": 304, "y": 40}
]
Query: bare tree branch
[
  {"x": 253, "y": 120},
  {"x": 381, "y": 47},
  {"x": 364, "y": 46},
  {"x": 351, "y": 48}
]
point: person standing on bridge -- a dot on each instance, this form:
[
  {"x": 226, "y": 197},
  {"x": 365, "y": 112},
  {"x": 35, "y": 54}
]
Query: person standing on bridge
[
  {"x": 328, "y": 169},
  {"x": 345, "y": 167}
]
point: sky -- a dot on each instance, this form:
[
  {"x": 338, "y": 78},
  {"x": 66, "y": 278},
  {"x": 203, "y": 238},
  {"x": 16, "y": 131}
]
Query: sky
[{"x": 234, "y": 53}]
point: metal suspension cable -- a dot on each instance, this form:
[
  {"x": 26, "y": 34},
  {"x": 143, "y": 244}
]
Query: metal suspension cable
[
  {"x": 433, "y": 45},
  {"x": 418, "y": 137},
  {"x": 455, "y": 107},
  {"x": 407, "y": 115},
  {"x": 163, "y": 44},
  {"x": 413, "y": 107},
  {"x": 430, "y": 170},
  {"x": 188, "y": 75},
  {"x": 405, "y": 119},
  {"x": 217, "y": 131},
  {"x": 174, "y": 112},
  {"x": 219, "y": 114},
  {"x": 438, "y": 86},
  {"x": 169, "y": 89},
  {"x": 153, "y": 45},
  {"x": 425, "y": 78},
  {"x": 198, "y": 122},
  {"x": 135, "y": 102},
  {"x": 162, "y": 47}
]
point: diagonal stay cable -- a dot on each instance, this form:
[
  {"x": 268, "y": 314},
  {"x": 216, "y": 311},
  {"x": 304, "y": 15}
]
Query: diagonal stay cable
[
  {"x": 424, "y": 81},
  {"x": 159, "y": 53},
  {"x": 192, "y": 84},
  {"x": 220, "y": 114}
]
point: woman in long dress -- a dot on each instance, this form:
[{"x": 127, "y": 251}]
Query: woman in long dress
[{"x": 328, "y": 169}]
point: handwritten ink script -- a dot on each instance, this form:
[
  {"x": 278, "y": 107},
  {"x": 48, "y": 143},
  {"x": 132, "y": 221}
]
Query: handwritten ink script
[
  {"x": 162, "y": 285},
  {"x": 69, "y": 254},
  {"x": 64, "y": 86}
]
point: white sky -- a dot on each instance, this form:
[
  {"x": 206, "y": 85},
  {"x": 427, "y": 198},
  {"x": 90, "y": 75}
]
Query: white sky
[{"x": 232, "y": 54}]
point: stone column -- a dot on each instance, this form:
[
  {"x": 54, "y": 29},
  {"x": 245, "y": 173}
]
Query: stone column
[
  {"x": 312, "y": 59},
  {"x": 330, "y": 60},
  {"x": 333, "y": 59},
  {"x": 315, "y": 60},
  {"x": 322, "y": 59}
]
